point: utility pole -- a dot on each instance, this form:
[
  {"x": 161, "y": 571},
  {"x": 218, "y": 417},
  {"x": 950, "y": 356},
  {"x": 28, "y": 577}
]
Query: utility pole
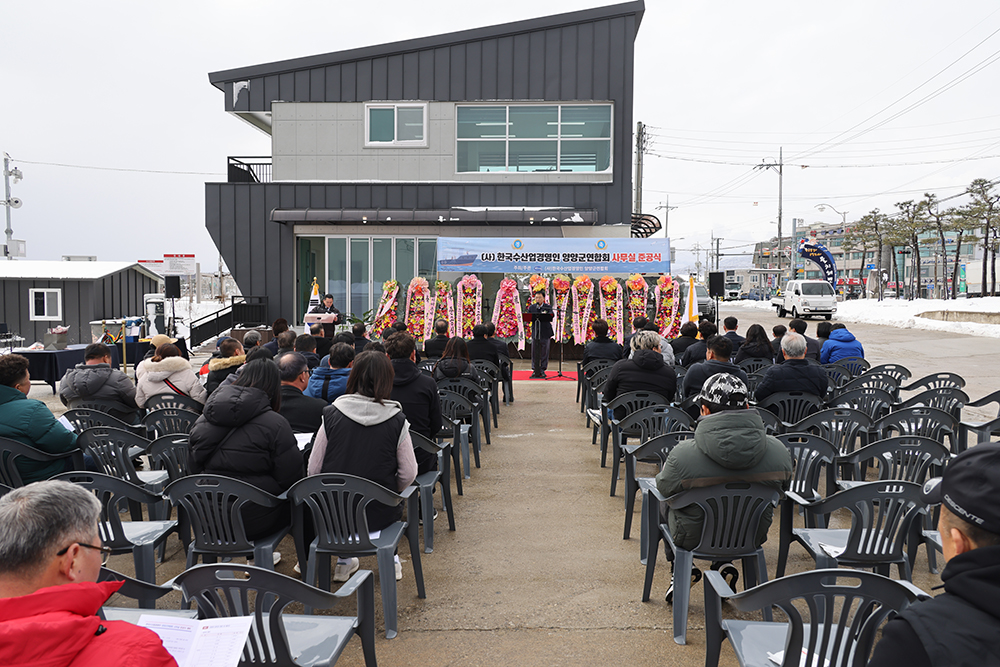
[
  {"x": 718, "y": 266},
  {"x": 779, "y": 167},
  {"x": 640, "y": 148},
  {"x": 8, "y": 201}
]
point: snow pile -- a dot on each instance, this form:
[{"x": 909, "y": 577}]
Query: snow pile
[{"x": 903, "y": 314}]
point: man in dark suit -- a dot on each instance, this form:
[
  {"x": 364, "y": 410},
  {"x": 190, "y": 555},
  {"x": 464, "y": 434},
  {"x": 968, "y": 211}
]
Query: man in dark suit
[
  {"x": 481, "y": 348},
  {"x": 304, "y": 413},
  {"x": 813, "y": 346},
  {"x": 541, "y": 334},
  {"x": 731, "y": 324},
  {"x": 323, "y": 344},
  {"x": 434, "y": 347},
  {"x": 504, "y": 355},
  {"x": 360, "y": 340}
]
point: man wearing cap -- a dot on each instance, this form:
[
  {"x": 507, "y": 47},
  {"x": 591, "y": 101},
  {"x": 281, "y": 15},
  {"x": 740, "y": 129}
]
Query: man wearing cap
[
  {"x": 729, "y": 445},
  {"x": 961, "y": 626}
]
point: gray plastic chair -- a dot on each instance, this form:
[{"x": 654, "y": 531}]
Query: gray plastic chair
[
  {"x": 732, "y": 518},
  {"x": 838, "y": 374},
  {"x": 479, "y": 396},
  {"x": 276, "y": 637},
  {"x": 908, "y": 458},
  {"x": 11, "y": 450},
  {"x": 884, "y": 381},
  {"x": 846, "y": 608},
  {"x": 455, "y": 410},
  {"x": 170, "y": 454},
  {"x": 872, "y": 401},
  {"x": 111, "y": 407},
  {"x": 949, "y": 399},
  {"x": 337, "y": 505},
  {"x": 810, "y": 455},
  {"x": 140, "y": 538},
  {"x": 856, "y": 365},
  {"x": 84, "y": 418},
  {"x": 603, "y": 416},
  {"x": 845, "y": 428},
  {"x": 490, "y": 371},
  {"x": 928, "y": 422},
  {"x": 791, "y": 406},
  {"x": 507, "y": 378},
  {"x": 644, "y": 424},
  {"x": 425, "y": 483},
  {"x": 755, "y": 364},
  {"x": 936, "y": 381},
  {"x": 143, "y": 592},
  {"x": 882, "y": 518},
  {"x": 212, "y": 503},
  {"x": 981, "y": 431},
  {"x": 654, "y": 450},
  {"x": 168, "y": 421},
  {"x": 584, "y": 371},
  {"x": 592, "y": 387},
  {"x": 900, "y": 372},
  {"x": 173, "y": 401}
]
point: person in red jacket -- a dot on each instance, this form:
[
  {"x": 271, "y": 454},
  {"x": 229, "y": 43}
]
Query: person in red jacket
[{"x": 50, "y": 558}]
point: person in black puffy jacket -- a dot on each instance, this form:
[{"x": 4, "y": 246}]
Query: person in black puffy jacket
[
  {"x": 645, "y": 371},
  {"x": 756, "y": 345},
  {"x": 455, "y": 362},
  {"x": 240, "y": 434},
  {"x": 796, "y": 374}
]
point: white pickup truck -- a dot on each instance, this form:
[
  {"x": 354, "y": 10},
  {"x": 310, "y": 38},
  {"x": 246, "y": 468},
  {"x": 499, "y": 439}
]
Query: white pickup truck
[{"x": 803, "y": 298}]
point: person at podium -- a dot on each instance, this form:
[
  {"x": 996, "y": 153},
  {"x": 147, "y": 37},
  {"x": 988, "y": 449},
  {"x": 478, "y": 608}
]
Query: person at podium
[
  {"x": 327, "y": 308},
  {"x": 541, "y": 334}
]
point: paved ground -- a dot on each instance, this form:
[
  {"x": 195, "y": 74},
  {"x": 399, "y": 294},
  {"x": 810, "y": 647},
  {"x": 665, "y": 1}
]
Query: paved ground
[{"x": 537, "y": 572}]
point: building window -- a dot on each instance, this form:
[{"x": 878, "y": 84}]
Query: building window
[
  {"x": 45, "y": 304},
  {"x": 533, "y": 137},
  {"x": 395, "y": 125}
]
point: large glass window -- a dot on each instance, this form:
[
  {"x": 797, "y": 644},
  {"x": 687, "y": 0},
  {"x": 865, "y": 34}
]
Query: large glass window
[
  {"x": 405, "y": 260},
  {"x": 427, "y": 259},
  {"x": 336, "y": 278},
  {"x": 360, "y": 277},
  {"x": 395, "y": 125},
  {"x": 533, "y": 137}
]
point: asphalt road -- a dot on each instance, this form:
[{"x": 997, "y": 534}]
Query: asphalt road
[{"x": 538, "y": 573}]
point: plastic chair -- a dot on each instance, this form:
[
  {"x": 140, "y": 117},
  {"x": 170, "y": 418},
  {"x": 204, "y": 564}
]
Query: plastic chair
[
  {"x": 936, "y": 381},
  {"x": 901, "y": 373},
  {"x": 629, "y": 402},
  {"x": 949, "y": 399},
  {"x": 753, "y": 379},
  {"x": 810, "y": 455},
  {"x": 755, "y": 364},
  {"x": 113, "y": 450},
  {"x": 427, "y": 365},
  {"x": 213, "y": 504},
  {"x": 791, "y": 406},
  {"x": 109, "y": 407},
  {"x": 144, "y": 593},
  {"x": 592, "y": 386},
  {"x": 279, "y": 638},
  {"x": 908, "y": 458},
  {"x": 644, "y": 423},
  {"x": 84, "y": 418},
  {"x": 174, "y": 402},
  {"x": 772, "y": 425},
  {"x": 882, "y": 516},
  {"x": 488, "y": 369},
  {"x": 843, "y": 427},
  {"x": 856, "y": 365},
  {"x": 170, "y": 454},
  {"x": 871, "y": 401},
  {"x": 140, "y": 538},
  {"x": 584, "y": 371},
  {"x": 982, "y": 431},
  {"x": 337, "y": 505},
  {"x": 928, "y": 422},
  {"x": 883, "y": 381},
  {"x": 168, "y": 421},
  {"x": 653, "y": 450},
  {"x": 507, "y": 378},
  {"x": 455, "y": 409},
  {"x": 425, "y": 483},
  {"x": 480, "y": 398},
  {"x": 840, "y": 375},
  {"x": 11, "y": 450},
  {"x": 732, "y": 517},
  {"x": 842, "y": 621}
]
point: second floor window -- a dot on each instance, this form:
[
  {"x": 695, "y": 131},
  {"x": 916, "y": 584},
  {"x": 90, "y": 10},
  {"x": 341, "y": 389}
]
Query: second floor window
[
  {"x": 395, "y": 125},
  {"x": 534, "y": 138}
]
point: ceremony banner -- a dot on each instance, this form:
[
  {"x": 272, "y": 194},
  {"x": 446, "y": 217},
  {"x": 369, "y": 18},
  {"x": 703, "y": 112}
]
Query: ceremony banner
[{"x": 553, "y": 255}]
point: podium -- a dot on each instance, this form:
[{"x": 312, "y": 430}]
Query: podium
[{"x": 328, "y": 320}]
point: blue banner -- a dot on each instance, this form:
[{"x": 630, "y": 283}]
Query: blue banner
[
  {"x": 823, "y": 258},
  {"x": 553, "y": 255}
]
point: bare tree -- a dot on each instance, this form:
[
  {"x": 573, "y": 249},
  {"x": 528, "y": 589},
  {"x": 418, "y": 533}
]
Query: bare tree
[
  {"x": 985, "y": 207},
  {"x": 910, "y": 223}
]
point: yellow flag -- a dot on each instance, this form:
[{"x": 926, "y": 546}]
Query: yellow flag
[{"x": 691, "y": 313}]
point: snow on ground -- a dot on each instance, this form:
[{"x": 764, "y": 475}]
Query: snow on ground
[
  {"x": 186, "y": 312},
  {"x": 903, "y": 314}
]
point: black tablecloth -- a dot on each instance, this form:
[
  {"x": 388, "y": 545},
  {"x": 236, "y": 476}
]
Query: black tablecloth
[{"x": 51, "y": 365}]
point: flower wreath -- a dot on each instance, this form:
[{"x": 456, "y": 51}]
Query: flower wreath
[
  {"x": 611, "y": 306},
  {"x": 583, "y": 301},
  {"x": 507, "y": 312},
  {"x": 539, "y": 283},
  {"x": 470, "y": 305},
  {"x": 419, "y": 309},
  {"x": 388, "y": 307},
  {"x": 637, "y": 295},
  {"x": 667, "y": 318},
  {"x": 444, "y": 303},
  {"x": 561, "y": 287}
]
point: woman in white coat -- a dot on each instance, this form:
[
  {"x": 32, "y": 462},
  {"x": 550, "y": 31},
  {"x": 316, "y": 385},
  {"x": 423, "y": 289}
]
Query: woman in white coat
[{"x": 167, "y": 372}]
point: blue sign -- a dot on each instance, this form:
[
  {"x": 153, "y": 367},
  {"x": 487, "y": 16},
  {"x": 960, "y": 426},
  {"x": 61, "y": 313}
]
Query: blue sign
[
  {"x": 823, "y": 258},
  {"x": 553, "y": 255}
]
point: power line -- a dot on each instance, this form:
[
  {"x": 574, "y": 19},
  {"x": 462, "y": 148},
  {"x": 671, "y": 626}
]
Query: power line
[{"x": 139, "y": 171}]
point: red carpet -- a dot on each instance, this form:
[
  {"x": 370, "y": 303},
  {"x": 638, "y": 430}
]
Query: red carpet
[{"x": 526, "y": 375}]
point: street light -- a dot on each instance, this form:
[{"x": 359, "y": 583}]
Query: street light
[{"x": 843, "y": 216}]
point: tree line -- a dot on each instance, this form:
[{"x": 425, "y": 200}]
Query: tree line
[{"x": 924, "y": 223}]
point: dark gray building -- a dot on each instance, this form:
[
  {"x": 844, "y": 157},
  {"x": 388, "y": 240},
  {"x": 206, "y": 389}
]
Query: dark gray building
[
  {"x": 39, "y": 295},
  {"x": 520, "y": 129}
]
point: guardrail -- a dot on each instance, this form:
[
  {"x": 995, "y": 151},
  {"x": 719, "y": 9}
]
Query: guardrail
[
  {"x": 249, "y": 170},
  {"x": 242, "y": 310}
]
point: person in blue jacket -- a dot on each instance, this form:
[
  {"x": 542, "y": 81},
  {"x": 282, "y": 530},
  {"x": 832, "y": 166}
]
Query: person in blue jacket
[
  {"x": 328, "y": 381},
  {"x": 841, "y": 344}
]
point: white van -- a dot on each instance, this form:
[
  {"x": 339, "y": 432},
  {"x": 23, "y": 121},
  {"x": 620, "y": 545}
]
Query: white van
[{"x": 803, "y": 298}]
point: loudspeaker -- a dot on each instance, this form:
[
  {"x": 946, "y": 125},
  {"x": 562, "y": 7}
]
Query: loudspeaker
[
  {"x": 717, "y": 284},
  {"x": 172, "y": 287}
]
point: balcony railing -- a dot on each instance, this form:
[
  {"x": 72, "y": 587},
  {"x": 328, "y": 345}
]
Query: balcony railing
[{"x": 249, "y": 169}]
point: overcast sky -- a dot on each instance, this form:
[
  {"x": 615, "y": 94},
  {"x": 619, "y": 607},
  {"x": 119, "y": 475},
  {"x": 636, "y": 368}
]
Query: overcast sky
[{"x": 880, "y": 101}]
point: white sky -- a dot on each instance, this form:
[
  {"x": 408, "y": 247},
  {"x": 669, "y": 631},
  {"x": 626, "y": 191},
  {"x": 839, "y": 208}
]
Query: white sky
[{"x": 99, "y": 84}]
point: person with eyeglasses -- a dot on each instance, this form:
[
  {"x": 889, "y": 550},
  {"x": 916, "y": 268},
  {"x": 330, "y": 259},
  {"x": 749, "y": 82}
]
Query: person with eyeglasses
[
  {"x": 50, "y": 559},
  {"x": 304, "y": 413}
]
